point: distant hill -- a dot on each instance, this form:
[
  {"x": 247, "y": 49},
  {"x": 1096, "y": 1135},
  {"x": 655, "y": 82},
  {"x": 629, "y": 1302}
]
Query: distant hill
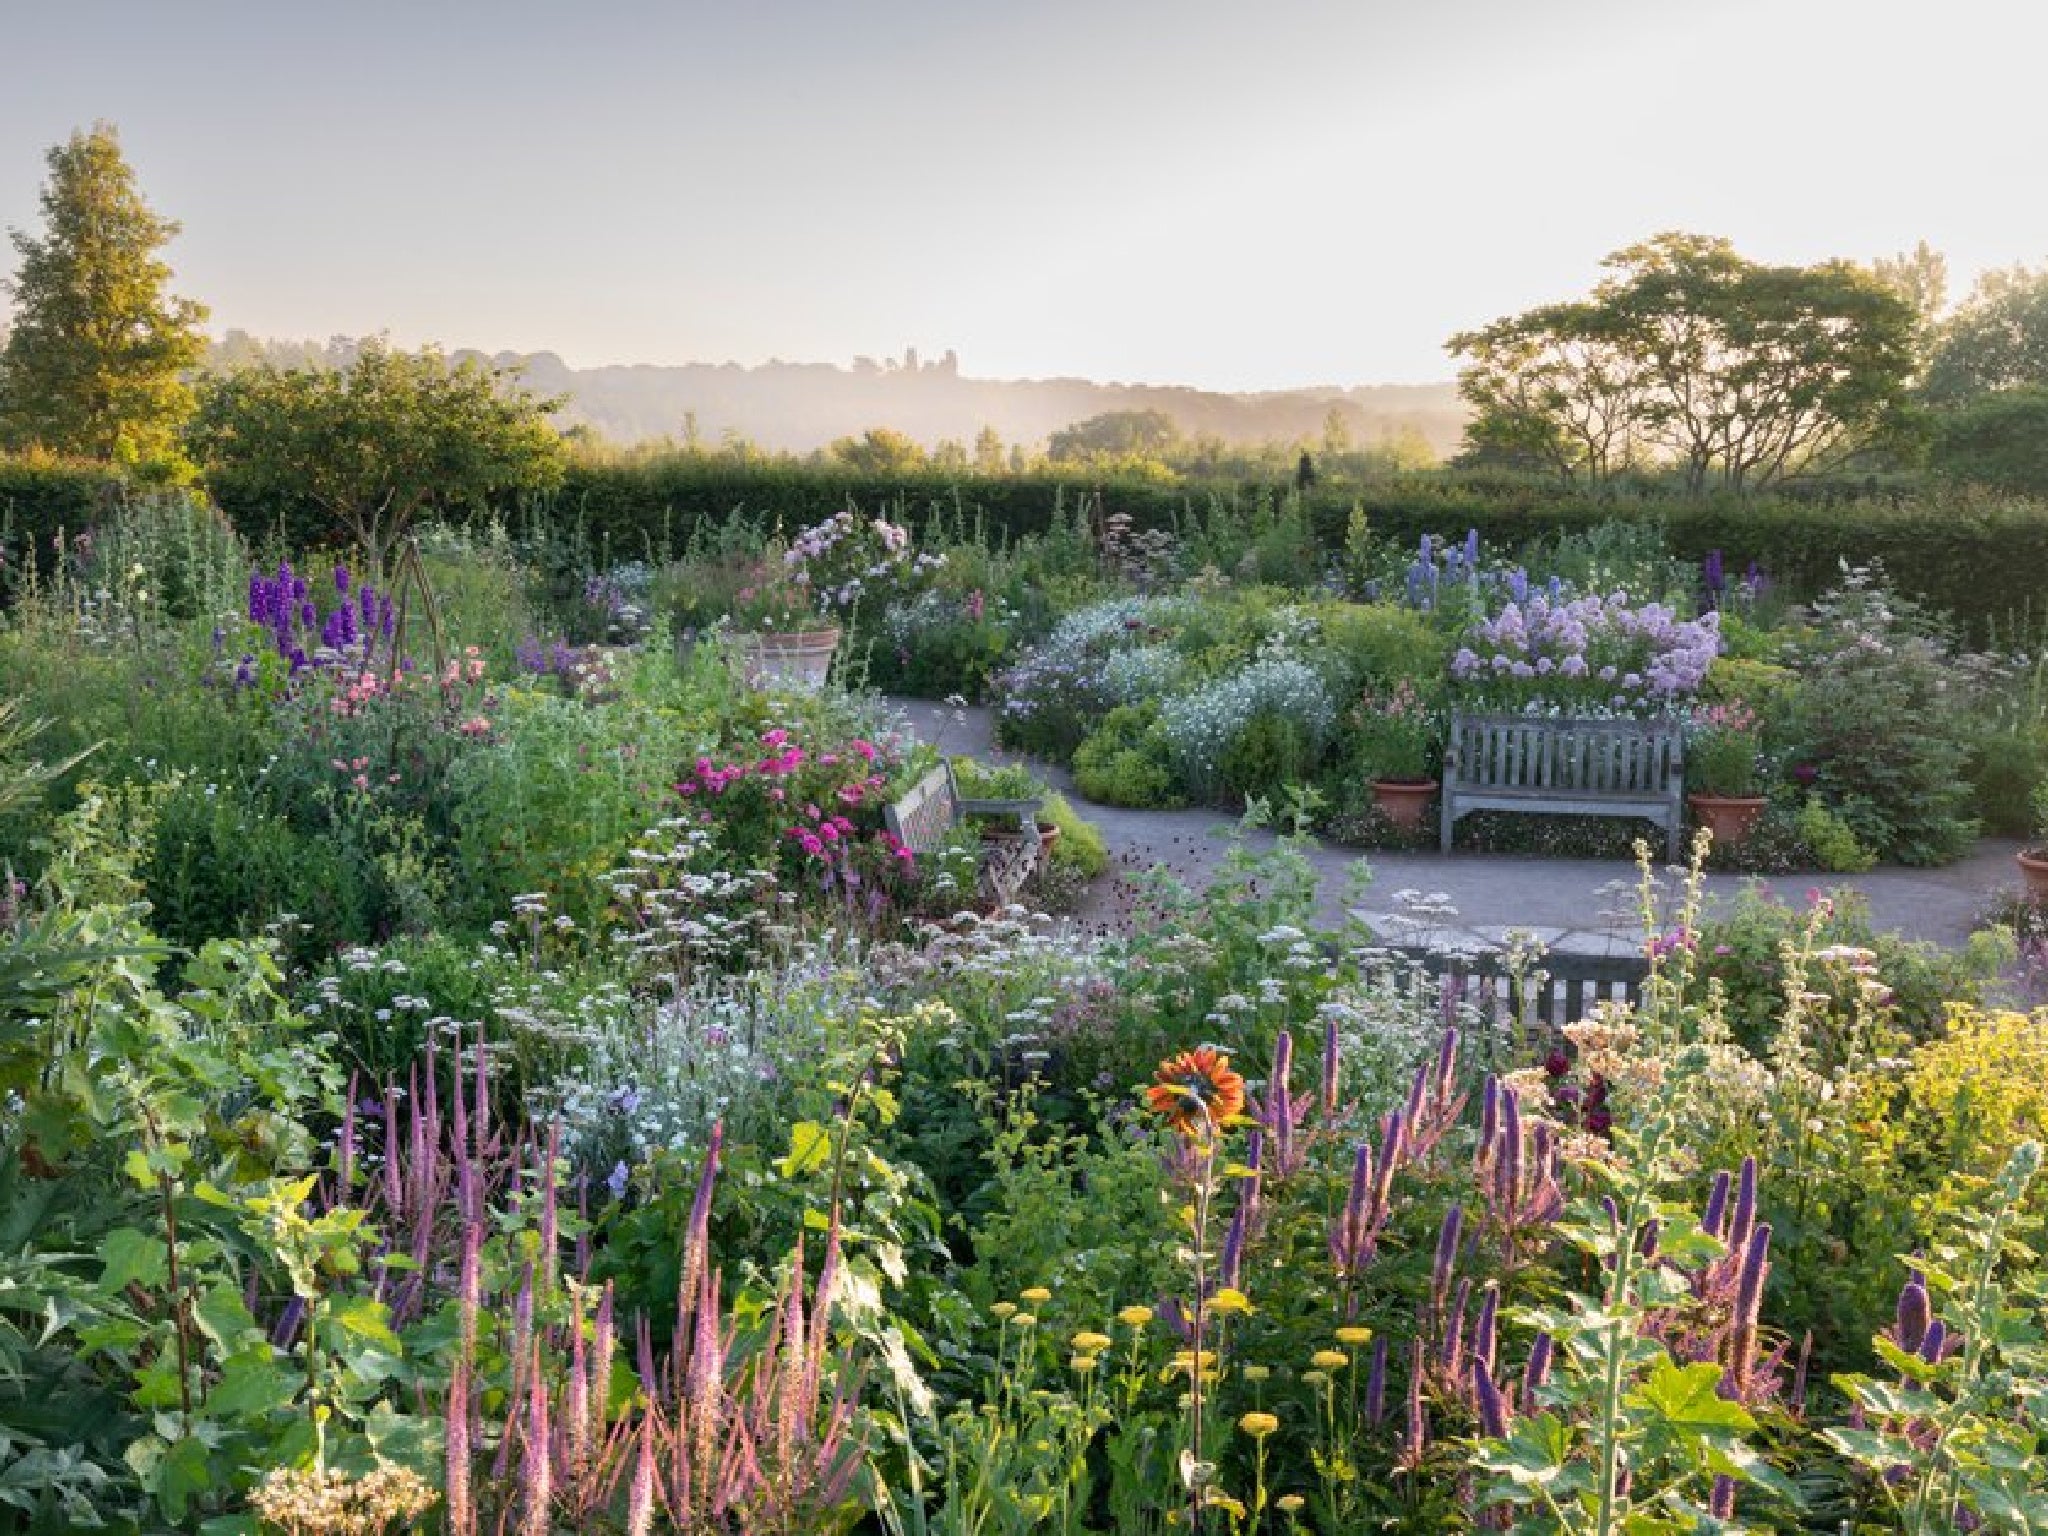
[{"x": 799, "y": 407}]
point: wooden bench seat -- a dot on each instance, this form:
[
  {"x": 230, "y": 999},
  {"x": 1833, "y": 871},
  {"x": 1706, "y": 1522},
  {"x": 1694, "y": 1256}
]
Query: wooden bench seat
[
  {"x": 1566, "y": 767},
  {"x": 933, "y": 806}
]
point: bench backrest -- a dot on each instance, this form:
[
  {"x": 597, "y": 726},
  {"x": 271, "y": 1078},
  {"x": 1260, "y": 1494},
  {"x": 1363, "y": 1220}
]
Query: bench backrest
[
  {"x": 1515, "y": 752},
  {"x": 926, "y": 813}
]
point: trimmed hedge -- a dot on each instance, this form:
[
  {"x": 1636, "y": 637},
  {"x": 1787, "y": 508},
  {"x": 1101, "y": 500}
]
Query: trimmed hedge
[
  {"x": 39, "y": 497},
  {"x": 1976, "y": 555}
]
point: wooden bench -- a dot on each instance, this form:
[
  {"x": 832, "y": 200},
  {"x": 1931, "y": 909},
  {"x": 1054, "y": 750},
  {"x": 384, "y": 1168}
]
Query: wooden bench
[
  {"x": 1566, "y": 768},
  {"x": 933, "y": 806}
]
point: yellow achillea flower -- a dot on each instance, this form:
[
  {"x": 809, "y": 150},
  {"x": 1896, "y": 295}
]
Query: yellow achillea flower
[
  {"x": 1135, "y": 1317},
  {"x": 1354, "y": 1335},
  {"x": 1258, "y": 1425},
  {"x": 1329, "y": 1359}
]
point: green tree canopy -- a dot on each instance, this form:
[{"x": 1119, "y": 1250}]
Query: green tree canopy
[
  {"x": 1996, "y": 339},
  {"x": 1738, "y": 374},
  {"x": 379, "y": 442},
  {"x": 94, "y": 361},
  {"x": 879, "y": 451},
  {"x": 1115, "y": 435},
  {"x": 1998, "y": 439}
]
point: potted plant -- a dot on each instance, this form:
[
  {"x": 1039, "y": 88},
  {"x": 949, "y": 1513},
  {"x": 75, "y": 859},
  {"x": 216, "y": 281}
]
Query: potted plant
[
  {"x": 997, "y": 789},
  {"x": 776, "y": 634},
  {"x": 1721, "y": 764},
  {"x": 1393, "y": 732},
  {"x": 2034, "y": 859},
  {"x": 799, "y": 598}
]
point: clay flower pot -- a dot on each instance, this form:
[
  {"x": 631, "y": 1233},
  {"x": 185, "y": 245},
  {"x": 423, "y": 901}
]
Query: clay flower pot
[
  {"x": 1404, "y": 802},
  {"x": 800, "y": 658},
  {"x": 1730, "y": 818},
  {"x": 2034, "y": 867}
]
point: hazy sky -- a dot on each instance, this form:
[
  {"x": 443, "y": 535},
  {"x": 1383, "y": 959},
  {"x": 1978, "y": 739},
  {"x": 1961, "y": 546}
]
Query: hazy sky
[{"x": 1230, "y": 193}]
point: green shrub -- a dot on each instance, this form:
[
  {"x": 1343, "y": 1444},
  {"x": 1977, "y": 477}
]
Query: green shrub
[
  {"x": 1128, "y": 762},
  {"x": 1876, "y": 709},
  {"x": 223, "y": 864},
  {"x": 1080, "y": 847},
  {"x": 1832, "y": 841}
]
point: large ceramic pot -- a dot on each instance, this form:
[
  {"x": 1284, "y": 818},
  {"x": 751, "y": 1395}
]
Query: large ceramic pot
[
  {"x": 2034, "y": 867},
  {"x": 1730, "y": 818},
  {"x": 799, "y": 658},
  {"x": 1404, "y": 802}
]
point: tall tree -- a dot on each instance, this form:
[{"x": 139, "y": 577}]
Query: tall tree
[
  {"x": 1996, "y": 339},
  {"x": 1557, "y": 386},
  {"x": 376, "y": 444},
  {"x": 94, "y": 364},
  {"x": 1736, "y": 373}
]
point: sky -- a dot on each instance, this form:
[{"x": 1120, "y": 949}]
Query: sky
[{"x": 1231, "y": 194}]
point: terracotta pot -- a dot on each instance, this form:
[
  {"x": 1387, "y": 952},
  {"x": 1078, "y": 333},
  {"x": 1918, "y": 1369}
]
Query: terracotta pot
[
  {"x": 2034, "y": 866},
  {"x": 1048, "y": 835},
  {"x": 1404, "y": 802},
  {"x": 1730, "y": 818},
  {"x": 800, "y": 658}
]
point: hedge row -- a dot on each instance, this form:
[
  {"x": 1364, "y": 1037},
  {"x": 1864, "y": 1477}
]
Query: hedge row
[{"x": 1977, "y": 556}]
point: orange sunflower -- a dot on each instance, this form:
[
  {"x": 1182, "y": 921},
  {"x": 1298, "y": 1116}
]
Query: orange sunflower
[{"x": 1187, "y": 1084}]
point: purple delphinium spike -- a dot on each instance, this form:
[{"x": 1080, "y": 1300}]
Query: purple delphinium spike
[
  {"x": 1721, "y": 1502},
  {"x": 1351, "y": 1238},
  {"x": 1749, "y": 1295},
  {"x": 1716, "y": 1213},
  {"x": 1280, "y": 1105},
  {"x": 1416, "y": 1440},
  {"x": 1935, "y": 1344},
  {"x": 1451, "y": 1352},
  {"x": 1915, "y": 1312},
  {"x": 1489, "y": 1116},
  {"x": 1493, "y": 1412},
  {"x": 1484, "y": 1331},
  {"x": 1646, "y": 1239},
  {"x": 550, "y": 1228},
  {"x": 1714, "y": 574},
  {"x": 1510, "y": 1166},
  {"x": 1231, "y": 1261},
  {"x": 536, "y": 1469},
  {"x": 603, "y": 1343},
  {"x": 640, "y": 1501},
  {"x": 576, "y": 1403},
  {"x": 1446, "y": 1255},
  {"x": 696, "y": 1237},
  {"x": 1743, "y": 1220},
  {"x": 1376, "y": 1383},
  {"x": 1537, "y": 1371}
]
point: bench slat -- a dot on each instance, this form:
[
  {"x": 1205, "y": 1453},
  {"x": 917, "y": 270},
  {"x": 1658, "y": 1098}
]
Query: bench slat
[{"x": 1582, "y": 767}]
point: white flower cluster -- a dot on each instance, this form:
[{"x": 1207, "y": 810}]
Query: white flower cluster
[
  {"x": 1147, "y": 672},
  {"x": 1201, "y": 726}
]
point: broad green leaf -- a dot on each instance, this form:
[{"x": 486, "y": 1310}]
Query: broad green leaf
[
  {"x": 365, "y": 1319},
  {"x": 223, "y": 1317},
  {"x": 1684, "y": 1397},
  {"x": 132, "y": 1257},
  {"x": 810, "y": 1144}
]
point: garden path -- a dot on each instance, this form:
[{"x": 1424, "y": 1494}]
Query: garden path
[{"x": 1585, "y": 906}]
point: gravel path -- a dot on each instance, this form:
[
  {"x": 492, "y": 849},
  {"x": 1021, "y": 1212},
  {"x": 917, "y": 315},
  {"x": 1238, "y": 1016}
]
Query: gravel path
[{"x": 1580, "y": 905}]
